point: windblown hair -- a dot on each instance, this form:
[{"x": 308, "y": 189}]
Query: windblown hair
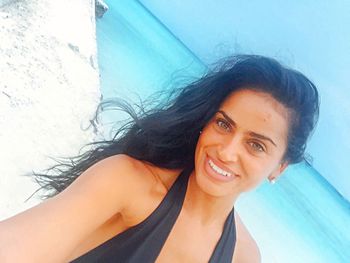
[{"x": 166, "y": 136}]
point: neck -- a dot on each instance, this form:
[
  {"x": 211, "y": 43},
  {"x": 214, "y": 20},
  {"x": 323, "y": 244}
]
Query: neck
[{"x": 206, "y": 208}]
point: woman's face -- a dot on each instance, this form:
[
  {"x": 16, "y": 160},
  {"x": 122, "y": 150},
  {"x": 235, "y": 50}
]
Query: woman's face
[{"x": 243, "y": 144}]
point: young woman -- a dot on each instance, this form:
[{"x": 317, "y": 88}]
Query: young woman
[{"x": 164, "y": 189}]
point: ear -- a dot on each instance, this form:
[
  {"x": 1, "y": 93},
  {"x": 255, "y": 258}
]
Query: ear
[{"x": 279, "y": 170}]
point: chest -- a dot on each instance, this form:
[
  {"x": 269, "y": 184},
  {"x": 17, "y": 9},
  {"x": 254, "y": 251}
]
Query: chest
[{"x": 189, "y": 242}]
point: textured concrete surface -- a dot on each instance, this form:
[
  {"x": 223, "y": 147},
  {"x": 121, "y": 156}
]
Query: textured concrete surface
[
  {"x": 49, "y": 89},
  {"x": 100, "y": 8},
  {"x": 5, "y": 2}
]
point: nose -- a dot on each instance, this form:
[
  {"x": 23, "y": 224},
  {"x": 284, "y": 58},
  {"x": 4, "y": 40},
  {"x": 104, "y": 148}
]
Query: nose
[{"x": 230, "y": 149}]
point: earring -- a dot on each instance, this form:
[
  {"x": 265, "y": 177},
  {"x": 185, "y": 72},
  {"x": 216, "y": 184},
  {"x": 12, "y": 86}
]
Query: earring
[
  {"x": 200, "y": 132},
  {"x": 272, "y": 181}
]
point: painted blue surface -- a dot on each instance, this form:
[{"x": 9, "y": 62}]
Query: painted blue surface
[
  {"x": 138, "y": 56},
  {"x": 302, "y": 218}
]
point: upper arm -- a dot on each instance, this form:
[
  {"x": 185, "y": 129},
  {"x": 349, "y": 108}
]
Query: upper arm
[
  {"x": 246, "y": 249},
  {"x": 49, "y": 231}
]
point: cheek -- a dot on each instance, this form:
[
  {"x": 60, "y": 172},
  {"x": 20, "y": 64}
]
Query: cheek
[
  {"x": 199, "y": 149},
  {"x": 263, "y": 169},
  {"x": 256, "y": 169},
  {"x": 205, "y": 141}
]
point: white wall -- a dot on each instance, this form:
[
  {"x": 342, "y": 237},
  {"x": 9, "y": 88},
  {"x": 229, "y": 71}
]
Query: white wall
[
  {"x": 4, "y": 2},
  {"x": 49, "y": 88}
]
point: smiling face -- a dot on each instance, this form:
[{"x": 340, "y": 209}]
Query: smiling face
[{"x": 243, "y": 144}]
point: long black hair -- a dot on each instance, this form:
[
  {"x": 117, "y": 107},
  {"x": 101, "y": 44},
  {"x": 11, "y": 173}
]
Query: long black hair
[{"x": 166, "y": 135}]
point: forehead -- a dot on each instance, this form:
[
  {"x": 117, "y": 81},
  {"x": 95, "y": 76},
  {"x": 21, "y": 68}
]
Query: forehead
[{"x": 258, "y": 112}]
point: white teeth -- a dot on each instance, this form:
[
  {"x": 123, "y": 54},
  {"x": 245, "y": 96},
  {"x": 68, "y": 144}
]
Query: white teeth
[{"x": 218, "y": 169}]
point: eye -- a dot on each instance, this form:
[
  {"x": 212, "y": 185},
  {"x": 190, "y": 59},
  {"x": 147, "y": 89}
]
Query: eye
[
  {"x": 223, "y": 124},
  {"x": 257, "y": 147}
]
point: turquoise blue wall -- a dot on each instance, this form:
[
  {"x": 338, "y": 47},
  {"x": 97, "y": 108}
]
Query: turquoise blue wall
[{"x": 301, "y": 218}]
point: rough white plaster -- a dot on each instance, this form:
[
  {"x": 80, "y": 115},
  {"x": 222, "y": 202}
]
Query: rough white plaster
[
  {"x": 4, "y": 2},
  {"x": 49, "y": 89}
]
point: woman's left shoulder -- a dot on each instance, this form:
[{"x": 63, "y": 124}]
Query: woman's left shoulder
[{"x": 246, "y": 249}]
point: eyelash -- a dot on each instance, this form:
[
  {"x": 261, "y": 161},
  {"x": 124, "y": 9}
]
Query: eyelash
[
  {"x": 223, "y": 122},
  {"x": 257, "y": 147},
  {"x": 253, "y": 146}
]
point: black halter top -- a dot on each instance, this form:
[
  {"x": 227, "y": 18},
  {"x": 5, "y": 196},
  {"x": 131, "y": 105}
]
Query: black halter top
[{"x": 144, "y": 241}]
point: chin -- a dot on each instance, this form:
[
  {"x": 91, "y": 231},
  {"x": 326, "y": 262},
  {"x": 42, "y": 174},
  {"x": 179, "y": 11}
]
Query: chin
[{"x": 208, "y": 187}]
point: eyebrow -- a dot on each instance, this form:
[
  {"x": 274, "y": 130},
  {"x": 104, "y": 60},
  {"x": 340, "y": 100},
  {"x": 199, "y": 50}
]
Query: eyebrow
[{"x": 254, "y": 134}]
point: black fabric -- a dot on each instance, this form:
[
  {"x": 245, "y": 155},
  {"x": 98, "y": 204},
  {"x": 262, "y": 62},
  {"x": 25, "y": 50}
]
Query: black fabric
[{"x": 144, "y": 241}]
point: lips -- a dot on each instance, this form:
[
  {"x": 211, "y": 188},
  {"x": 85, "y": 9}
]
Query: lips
[{"x": 217, "y": 171}]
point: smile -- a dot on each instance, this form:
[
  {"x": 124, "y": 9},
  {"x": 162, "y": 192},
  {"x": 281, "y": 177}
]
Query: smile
[{"x": 218, "y": 169}]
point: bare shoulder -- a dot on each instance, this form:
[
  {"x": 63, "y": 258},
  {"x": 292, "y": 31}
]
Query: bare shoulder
[
  {"x": 120, "y": 169},
  {"x": 61, "y": 223},
  {"x": 123, "y": 168},
  {"x": 134, "y": 171},
  {"x": 246, "y": 250},
  {"x": 108, "y": 182}
]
